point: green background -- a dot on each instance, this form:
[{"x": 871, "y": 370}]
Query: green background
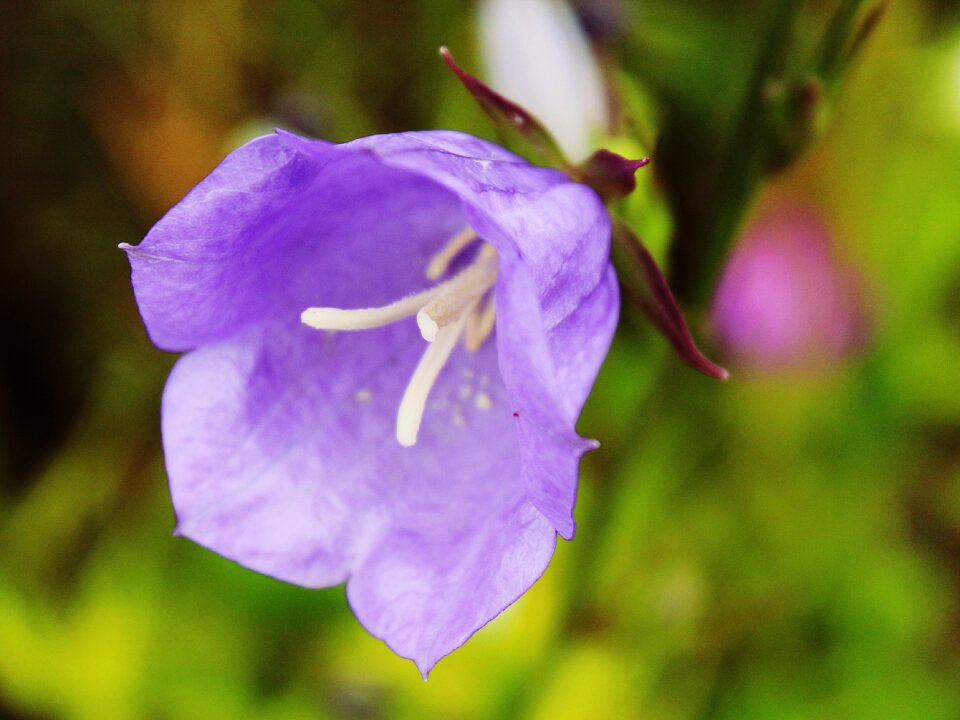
[{"x": 782, "y": 545}]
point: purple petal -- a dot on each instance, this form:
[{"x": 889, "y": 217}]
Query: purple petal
[
  {"x": 275, "y": 229},
  {"x": 281, "y": 453},
  {"x": 553, "y": 240},
  {"x": 427, "y": 595},
  {"x": 280, "y": 439}
]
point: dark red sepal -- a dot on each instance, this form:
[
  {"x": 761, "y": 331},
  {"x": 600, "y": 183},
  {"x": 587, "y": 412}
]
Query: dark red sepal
[
  {"x": 611, "y": 175},
  {"x": 510, "y": 117},
  {"x": 645, "y": 286}
]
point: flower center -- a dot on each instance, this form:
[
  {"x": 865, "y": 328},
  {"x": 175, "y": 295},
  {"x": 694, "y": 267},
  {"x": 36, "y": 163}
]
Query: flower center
[{"x": 461, "y": 306}]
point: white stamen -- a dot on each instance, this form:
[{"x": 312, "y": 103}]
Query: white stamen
[
  {"x": 410, "y": 414},
  {"x": 453, "y": 296},
  {"x": 480, "y": 324},
  {"x": 329, "y": 318},
  {"x": 440, "y": 262},
  {"x": 444, "y": 312},
  {"x": 439, "y": 305}
]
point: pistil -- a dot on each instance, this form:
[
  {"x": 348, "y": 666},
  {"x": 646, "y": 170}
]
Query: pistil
[
  {"x": 414, "y": 402},
  {"x": 330, "y": 318},
  {"x": 454, "y": 296},
  {"x": 440, "y": 263}
]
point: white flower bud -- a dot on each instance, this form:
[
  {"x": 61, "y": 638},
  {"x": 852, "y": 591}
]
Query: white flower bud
[{"x": 536, "y": 54}]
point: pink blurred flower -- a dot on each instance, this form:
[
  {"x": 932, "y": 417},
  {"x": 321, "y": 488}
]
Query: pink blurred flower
[{"x": 783, "y": 300}]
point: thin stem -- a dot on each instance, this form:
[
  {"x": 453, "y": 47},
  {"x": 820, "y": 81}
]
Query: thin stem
[
  {"x": 837, "y": 37},
  {"x": 740, "y": 169}
]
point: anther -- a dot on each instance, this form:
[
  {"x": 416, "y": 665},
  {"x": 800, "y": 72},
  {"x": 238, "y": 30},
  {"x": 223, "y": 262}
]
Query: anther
[
  {"x": 465, "y": 289},
  {"x": 444, "y": 313},
  {"x": 480, "y": 324},
  {"x": 440, "y": 262}
]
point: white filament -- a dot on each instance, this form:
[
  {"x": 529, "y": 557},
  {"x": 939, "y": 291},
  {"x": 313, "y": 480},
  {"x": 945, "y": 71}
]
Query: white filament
[
  {"x": 441, "y": 304},
  {"x": 444, "y": 313},
  {"x": 480, "y": 324},
  {"x": 328, "y": 318},
  {"x": 452, "y": 298},
  {"x": 414, "y": 402},
  {"x": 440, "y": 262}
]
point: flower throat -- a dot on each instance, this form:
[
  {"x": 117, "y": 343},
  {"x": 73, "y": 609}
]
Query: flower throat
[{"x": 462, "y": 306}]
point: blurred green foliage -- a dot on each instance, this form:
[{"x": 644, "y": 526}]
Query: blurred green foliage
[{"x": 779, "y": 546}]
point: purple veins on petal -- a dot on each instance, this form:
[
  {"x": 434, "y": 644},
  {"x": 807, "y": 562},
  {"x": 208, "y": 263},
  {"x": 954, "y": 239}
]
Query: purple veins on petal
[{"x": 388, "y": 344}]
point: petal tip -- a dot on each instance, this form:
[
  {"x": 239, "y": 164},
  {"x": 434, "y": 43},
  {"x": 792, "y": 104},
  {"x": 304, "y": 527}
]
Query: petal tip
[{"x": 425, "y": 668}]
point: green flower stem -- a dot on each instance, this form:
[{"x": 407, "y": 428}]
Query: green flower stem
[
  {"x": 742, "y": 165},
  {"x": 836, "y": 39}
]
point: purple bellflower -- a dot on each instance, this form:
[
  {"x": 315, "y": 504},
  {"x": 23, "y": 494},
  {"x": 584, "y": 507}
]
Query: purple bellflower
[{"x": 388, "y": 345}]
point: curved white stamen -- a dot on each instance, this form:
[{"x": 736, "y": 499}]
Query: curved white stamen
[
  {"x": 480, "y": 324},
  {"x": 444, "y": 312},
  {"x": 440, "y": 262},
  {"x": 410, "y": 413},
  {"x": 329, "y": 318},
  {"x": 450, "y": 303},
  {"x": 442, "y": 303}
]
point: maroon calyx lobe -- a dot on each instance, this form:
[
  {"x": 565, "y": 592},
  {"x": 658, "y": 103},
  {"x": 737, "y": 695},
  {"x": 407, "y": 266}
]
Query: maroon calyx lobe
[
  {"x": 645, "y": 286},
  {"x": 513, "y": 119},
  {"x": 611, "y": 175}
]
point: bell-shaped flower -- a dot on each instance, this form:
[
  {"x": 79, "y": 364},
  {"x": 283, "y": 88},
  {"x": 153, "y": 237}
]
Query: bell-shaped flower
[{"x": 388, "y": 345}]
